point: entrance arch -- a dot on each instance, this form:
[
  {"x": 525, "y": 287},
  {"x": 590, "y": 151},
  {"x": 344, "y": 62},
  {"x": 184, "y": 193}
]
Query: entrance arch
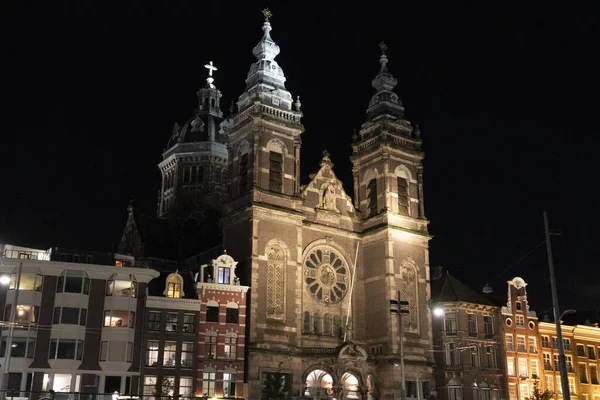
[
  {"x": 319, "y": 385},
  {"x": 351, "y": 386}
]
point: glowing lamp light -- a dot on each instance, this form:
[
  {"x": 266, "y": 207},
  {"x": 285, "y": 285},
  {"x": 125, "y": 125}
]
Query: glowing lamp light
[
  {"x": 438, "y": 311},
  {"x": 4, "y": 279},
  {"x": 20, "y": 312}
]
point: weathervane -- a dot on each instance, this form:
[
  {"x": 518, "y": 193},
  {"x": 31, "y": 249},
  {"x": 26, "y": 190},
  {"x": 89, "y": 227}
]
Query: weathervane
[
  {"x": 267, "y": 13},
  {"x": 383, "y": 47}
]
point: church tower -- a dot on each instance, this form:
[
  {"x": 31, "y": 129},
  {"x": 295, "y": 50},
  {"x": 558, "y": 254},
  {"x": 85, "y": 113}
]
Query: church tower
[
  {"x": 194, "y": 166},
  {"x": 388, "y": 190},
  {"x": 264, "y": 135}
]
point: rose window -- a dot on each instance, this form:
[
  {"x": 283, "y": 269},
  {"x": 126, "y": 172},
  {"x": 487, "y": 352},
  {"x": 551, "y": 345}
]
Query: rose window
[{"x": 326, "y": 275}]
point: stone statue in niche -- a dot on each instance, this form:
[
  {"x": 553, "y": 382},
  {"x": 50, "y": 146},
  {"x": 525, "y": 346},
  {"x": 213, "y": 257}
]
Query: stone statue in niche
[{"x": 328, "y": 197}]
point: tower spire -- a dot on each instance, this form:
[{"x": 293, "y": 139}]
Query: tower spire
[{"x": 385, "y": 103}]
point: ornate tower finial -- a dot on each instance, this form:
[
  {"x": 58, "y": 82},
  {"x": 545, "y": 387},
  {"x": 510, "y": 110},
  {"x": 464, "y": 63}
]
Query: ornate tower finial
[
  {"x": 383, "y": 47},
  {"x": 210, "y": 67},
  {"x": 297, "y": 103},
  {"x": 267, "y": 13}
]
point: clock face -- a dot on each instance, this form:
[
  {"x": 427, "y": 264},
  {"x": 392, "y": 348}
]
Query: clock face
[{"x": 326, "y": 275}]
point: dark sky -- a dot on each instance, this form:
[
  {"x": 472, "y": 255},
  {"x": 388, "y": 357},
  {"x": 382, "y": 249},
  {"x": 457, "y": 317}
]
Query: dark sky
[{"x": 506, "y": 94}]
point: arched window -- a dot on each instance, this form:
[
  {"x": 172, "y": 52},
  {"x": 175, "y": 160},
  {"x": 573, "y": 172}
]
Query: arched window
[
  {"x": 403, "y": 197},
  {"x": 336, "y": 326},
  {"x": 200, "y": 174},
  {"x": 372, "y": 197},
  {"x": 275, "y": 281},
  {"x": 243, "y": 151},
  {"x": 327, "y": 324},
  {"x": 408, "y": 292},
  {"x": 276, "y": 156},
  {"x": 174, "y": 287},
  {"x": 306, "y": 322},
  {"x": 317, "y": 323}
]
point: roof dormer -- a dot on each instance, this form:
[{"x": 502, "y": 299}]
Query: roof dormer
[{"x": 220, "y": 271}]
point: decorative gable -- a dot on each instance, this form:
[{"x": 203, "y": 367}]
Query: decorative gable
[{"x": 325, "y": 196}]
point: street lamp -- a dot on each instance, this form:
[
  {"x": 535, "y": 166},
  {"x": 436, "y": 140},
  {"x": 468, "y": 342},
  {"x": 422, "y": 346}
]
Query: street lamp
[{"x": 438, "y": 311}]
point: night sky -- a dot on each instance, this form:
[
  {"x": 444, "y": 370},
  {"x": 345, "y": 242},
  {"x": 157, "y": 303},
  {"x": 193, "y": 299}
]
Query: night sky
[{"x": 506, "y": 95}]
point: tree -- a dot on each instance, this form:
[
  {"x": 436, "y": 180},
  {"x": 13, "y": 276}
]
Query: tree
[
  {"x": 275, "y": 386},
  {"x": 537, "y": 393}
]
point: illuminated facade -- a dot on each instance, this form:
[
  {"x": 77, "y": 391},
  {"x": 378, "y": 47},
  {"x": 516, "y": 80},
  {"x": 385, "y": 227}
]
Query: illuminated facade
[
  {"x": 468, "y": 351},
  {"x": 532, "y": 350},
  {"x": 319, "y": 313},
  {"x": 77, "y": 326}
]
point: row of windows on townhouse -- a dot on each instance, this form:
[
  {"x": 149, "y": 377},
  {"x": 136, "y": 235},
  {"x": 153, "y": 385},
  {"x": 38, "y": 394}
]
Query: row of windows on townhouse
[
  {"x": 531, "y": 342},
  {"x": 453, "y": 355},
  {"x": 167, "y": 386},
  {"x": 451, "y": 325},
  {"x": 327, "y": 325},
  {"x": 481, "y": 391},
  {"x": 587, "y": 373},
  {"x": 74, "y": 281},
  {"x": 525, "y": 389}
]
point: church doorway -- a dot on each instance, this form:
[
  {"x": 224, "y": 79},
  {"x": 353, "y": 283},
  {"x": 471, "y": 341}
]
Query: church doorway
[
  {"x": 319, "y": 386},
  {"x": 350, "y": 386}
]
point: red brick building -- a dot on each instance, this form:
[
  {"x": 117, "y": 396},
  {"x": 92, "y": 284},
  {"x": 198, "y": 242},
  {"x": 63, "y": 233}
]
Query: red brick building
[{"x": 221, "y": 333}]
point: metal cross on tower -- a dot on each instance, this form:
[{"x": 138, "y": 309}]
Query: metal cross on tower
[{"x": 210, "y": 67}]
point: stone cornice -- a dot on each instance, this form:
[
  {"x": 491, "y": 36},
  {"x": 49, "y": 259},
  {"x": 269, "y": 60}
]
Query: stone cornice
[{"x": 173, "y": 304}]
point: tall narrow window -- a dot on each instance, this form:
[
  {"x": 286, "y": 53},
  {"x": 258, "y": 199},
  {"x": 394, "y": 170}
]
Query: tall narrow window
[
  {"x": 450, "y": 323},
  {"x": 326, "y": 324},
  {"x": 200, "y": 174},
  {"x": 230, "y": 348},
  {"x": 372, "y": 197},
  {"x": 151, "y": 353},
  {"x": 186, "y": 174},
  {"x": 510, "y": 345},
  {"x": 173, "y": 288},
  {"x": 194, "y": 174},
  {"x": 491, "y": 357},
  {"x": 228, "y": 385},
  {"x": 317, "y": 323},
  {"x": 408, "y": 292},
  {"x": 243, "y": 165},
  {"x": 475, "y": 359},
  {"x": 208, "y": 384},
  {"x": 403, "y": 199},
  {"x": 211, "y": 345},
  {"x": 472, "y": 318},
  {"x": 306, "y": 322},
  {"x": 275, "y": 171},
  {"x": 187, "y": 354},
  {"x": 488, "y": 325},
  {"x": 275, "y": 281},
  {"x": 452, "y": 354}
]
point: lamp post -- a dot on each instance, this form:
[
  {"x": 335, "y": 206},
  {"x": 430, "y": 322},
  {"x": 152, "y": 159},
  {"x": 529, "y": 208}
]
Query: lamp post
[
  {"x": 11, "y": 329},
  {"x": 396, "y": 308},
  {"x": 562, "y": 364}
]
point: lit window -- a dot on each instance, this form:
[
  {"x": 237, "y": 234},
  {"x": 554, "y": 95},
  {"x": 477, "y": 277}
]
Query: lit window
[
  {"x": 152, "y": 353},
  {"x": 173, "y": 289},
  {"x": 170, "y": 354},
  {"x": 172, "y": 322},
  {"x": 231, "y": 348},
  {"x": 149, "y": 385},
  {"x": 185, "y": 387},
  {"x": 25, "y": 314},
  {"x": 228, "y": 385},
  {"x": 208, "y": 384},
  {"x": 189, "y": 323},
  {"x": 211, "y": 345},
  {"x": 119, "y": 319},
  {"x": 510, "y": 366},
  {"x": 187, "y": 355},
  {"x": 520, "y": 321},
  {"x": 27, "y": 282},
  {"x": 223, "y": 277},
  {"x": 121, "y": 287}
]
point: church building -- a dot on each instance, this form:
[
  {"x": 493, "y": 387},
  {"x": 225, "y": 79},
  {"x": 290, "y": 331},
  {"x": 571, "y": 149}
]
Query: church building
[{"x": 322, "y": 267}]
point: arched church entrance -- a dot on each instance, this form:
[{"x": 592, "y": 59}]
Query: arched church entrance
[
  {"x": 351, "y": 386},
  {"x": 319, "y": 385}
]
